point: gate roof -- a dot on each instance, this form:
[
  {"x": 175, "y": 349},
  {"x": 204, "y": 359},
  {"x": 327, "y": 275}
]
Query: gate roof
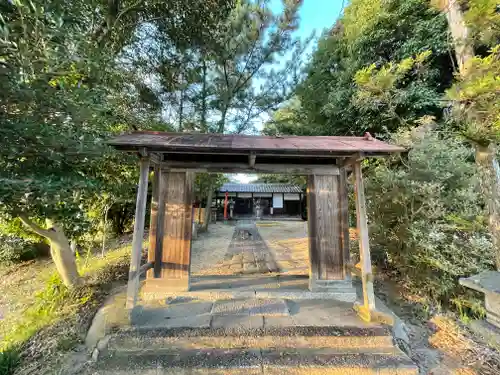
[{"x": 244, "y": 144}]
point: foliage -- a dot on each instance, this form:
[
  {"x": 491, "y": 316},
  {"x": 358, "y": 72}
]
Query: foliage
[
  {"x": 360, "y": 16},
  {"x": 400, "y": 30},
  {"x": 66, "y": 88},
  {"x": 283, "y": 179},
  {"x": 206, "y": 181},
  {"x": 483, "y": 18},
  {"x": 243, "y": 69},
  {"x": 477, "y": 94},
  {"x": 9, "y": 360},
  {"x": 427, "y": 220},
  {"x": 15, "y": 249},
  {"x": 379, "y": 88}
]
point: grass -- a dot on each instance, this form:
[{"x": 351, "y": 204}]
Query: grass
[{"x": 54, "y": 307}]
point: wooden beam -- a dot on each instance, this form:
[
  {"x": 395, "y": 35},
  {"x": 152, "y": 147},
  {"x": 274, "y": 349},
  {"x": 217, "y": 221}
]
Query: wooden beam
[
  {"x": 155, "y": 158},
  {"x": 364, "y": 246},
  {"x": 299, "y": 169},
  {"x": 145, "y": 267},
  {"x": 352, "y": 159},
  {"x": 153, "y": 217},
  {"x": 344, "y": 215},
  {"x": 162, "y": 186},
  {"x": 140, "y": 214}
]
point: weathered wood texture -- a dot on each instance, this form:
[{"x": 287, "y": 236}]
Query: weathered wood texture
[
  {"x": 153, "y": 218},
  {"x": 140, "y": 214},
  {"x": 176, "y": 257},
  {"x": 228, "y": 167},
  {"x": 344, "y": 216},
  {"x": 326, "y": 238},
  {"x": 156, "y": 222},
  {"x": 364, "y": 245}
]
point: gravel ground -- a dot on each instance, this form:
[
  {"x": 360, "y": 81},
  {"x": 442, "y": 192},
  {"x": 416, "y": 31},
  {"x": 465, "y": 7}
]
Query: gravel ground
[
  {"x": 282, "y": 230},
  {"x": 209, "y": 248}
]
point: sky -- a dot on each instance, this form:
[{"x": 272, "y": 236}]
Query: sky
[{"x": 315, "y": 15}]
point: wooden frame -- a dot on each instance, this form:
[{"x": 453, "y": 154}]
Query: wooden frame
[
  {"x": 328, "y": 224},
  {"x": 140, "y": 215},
  {"x": 368, "y": 306},
  {"x": 298, "y": 169}
]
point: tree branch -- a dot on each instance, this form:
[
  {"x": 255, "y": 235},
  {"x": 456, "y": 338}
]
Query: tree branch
[{"x": 35, "y": 228}]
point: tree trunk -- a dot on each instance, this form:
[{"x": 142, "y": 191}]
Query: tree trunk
[
  {"x": 204, "y": 127},
  {"x": 222, "y": 123},
  {"x": 208, "y": 206},
  {"x": 460, "y": 34},
  {"x": 104, "y": 231},
  {"x": 489, "y": 180},
  {"x": 181, "y": 109},
  {"x": 60, "y": 250}
]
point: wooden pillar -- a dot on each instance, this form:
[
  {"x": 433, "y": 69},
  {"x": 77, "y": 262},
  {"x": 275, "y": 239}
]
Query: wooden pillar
[
  {"x": 364, "y": 246},
  {"x": 176, "y": 257},
  {"x": 344, "y": 217},
  {"x": 156, "y": 222},
  {"x": 325, "y": 236},
  {"x": 140, "y": 214}
]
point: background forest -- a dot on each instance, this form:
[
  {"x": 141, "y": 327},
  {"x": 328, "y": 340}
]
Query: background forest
[{"x": 394, "y": 69}]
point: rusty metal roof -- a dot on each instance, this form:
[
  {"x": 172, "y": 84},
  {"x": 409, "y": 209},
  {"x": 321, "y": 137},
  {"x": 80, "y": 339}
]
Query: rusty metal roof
[
  {"x": 260, "y": 188},
  {"x": 237, "y": 144}
]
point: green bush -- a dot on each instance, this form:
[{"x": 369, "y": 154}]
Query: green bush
[
  {"x": 14, "y": 249},
  {"x": 427, "y": 218},
  {"x": 9, "y": 360}
]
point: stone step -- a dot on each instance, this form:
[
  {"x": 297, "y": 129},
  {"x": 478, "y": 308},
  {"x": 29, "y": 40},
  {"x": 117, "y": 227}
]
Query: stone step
[
  {"x": 250, "y": 362},
  {"x": 343, "y": 339}
]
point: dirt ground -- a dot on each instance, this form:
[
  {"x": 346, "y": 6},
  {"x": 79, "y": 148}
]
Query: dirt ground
[{"x": 439, "y": 344}]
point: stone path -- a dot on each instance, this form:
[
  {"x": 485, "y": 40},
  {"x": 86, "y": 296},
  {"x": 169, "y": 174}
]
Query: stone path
[
  {"x": 247, "y": 253},
  {"x": 247, "y": 313}
]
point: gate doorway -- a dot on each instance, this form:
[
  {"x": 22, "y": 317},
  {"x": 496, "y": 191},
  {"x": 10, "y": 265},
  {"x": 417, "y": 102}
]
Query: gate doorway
[{"x": 176, "y": 157}]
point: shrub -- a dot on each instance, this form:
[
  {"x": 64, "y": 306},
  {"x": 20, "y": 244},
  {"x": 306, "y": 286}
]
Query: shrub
[
  {"x": 427, "y": 218},
  {"x": 13, "y": 249}
]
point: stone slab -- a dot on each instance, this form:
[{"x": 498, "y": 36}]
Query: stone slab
[
  {"x": 488, "y": 332},
  {"x": 250, "y": 307},
  {"x": 158, "y": 318},
  {"x": 237, "y": 322},
  {"x": 179, "y": 310},
  {"x": 486, "y": 282}
]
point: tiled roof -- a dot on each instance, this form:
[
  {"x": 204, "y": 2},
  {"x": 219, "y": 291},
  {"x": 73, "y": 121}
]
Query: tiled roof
[{"x": 260, "y": 188}]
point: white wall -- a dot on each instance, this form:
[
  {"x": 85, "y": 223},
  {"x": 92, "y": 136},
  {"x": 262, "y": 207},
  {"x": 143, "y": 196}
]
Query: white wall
[{"x": 278, "y": 200}]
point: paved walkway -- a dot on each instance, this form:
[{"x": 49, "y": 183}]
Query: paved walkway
[{"x": 246, "y": 253}]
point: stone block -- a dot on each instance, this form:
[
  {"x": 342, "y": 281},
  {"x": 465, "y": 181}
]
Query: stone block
[
  {"x": 250, "y": 306},
  {"x": 487, "y": 282},
  {"x": 238, "y": 321},
  {"x": 179, "y": 310},
  {"x": 200, "y": 321}
]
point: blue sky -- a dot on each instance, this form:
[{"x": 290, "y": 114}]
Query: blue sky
[{"x": 315, "y": 15}]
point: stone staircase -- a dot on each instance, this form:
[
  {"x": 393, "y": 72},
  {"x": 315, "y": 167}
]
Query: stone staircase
[{"x": 249, "y": 337}]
